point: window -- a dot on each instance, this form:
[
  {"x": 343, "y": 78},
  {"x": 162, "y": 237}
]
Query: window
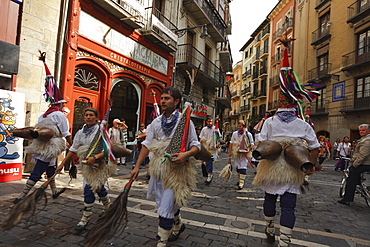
[
  {"x": 258, "y": 52},
  {"x": 362, "y": 94},
  {"x": 324, "y": 22},
  {"x": 320, "y": 102},
  {"x": 246, "y": 54},
  {"x": 364, "y": 42},
  {"x": 262, "y": 110},
  {"x": 251, "y": 50},
  {"x": 266, "y": 46},
  {"x": 323, "y": 63},
  {"x": 363, "y": 87}
]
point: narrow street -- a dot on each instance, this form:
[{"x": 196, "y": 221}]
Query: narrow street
[{"x": 217, "y": 214}]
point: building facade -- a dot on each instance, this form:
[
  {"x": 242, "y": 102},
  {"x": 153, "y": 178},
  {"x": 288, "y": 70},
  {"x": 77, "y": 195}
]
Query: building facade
[
  {"x": 332, "y": 53},
  {"x": 203, "y": 45}
]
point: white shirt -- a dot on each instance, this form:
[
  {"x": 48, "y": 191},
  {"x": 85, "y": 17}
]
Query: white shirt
[
  {"x": 156, "y": 132},
  {"x": 81, "y": 138},
  {"x": 241, "y": 162},
  {"x": 61, "y": 121},
  {"x": 344, "y": 149},
  {"x": 207, "y": 133},
  {"x": 298, "y": 128}
]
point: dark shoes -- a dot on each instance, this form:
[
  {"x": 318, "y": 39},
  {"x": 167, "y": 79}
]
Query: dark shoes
[
  {"x": 344, "y": 202},
  {"x": 270, "y": 237},
  {"x": 306, "y": 183},
  {"x": 239, "y": 188},
  {"x": 80, "y": 228},
  {"x": 16, "y": 200},
  {"x": 56, "y": 195},
  {"x": 174, "y": 237}
]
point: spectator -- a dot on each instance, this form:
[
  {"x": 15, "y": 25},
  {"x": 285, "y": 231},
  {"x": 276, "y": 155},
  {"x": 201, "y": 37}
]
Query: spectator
[{"x": 360, "y": 163}]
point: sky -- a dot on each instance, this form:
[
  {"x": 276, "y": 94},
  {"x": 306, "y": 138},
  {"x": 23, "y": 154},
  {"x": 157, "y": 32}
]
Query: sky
[{"x": 246, "y": 16}]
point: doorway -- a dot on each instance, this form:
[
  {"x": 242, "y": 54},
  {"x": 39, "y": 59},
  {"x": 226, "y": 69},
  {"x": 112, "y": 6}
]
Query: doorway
[{"x": 126, "y": 97}]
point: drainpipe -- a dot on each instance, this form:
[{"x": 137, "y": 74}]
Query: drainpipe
[{"x": 59, "y": 48}]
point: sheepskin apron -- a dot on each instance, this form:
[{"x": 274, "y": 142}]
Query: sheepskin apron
[
  {"x": 278, "y": 171},
  {"x": 179, "y": 178},
  {"x": 97, "y": 174},
  {"x": 49, "y": 149}
]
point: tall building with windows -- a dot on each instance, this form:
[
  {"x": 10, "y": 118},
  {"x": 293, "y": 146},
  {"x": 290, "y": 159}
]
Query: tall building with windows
[
  {"x": 203, "y": 29},
  {"x": 282, "y": 24},
  {"x": 331, "y": 52},
  {"x": 260, "y": 65},
  {"x": 235, "y": 90},
  {"x": 247, "y": 65}
]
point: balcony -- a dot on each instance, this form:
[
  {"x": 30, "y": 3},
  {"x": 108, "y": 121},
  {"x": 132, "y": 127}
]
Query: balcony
[
  {"x": 288, "y": 24},
  {"x": 158, "y": 29},
  {"x": 246, "y": 74},
  {"x": 263, "y": 71},
  {"x": 131, "y": 12},
  {"x": 188, "y": 57},
  {"x": 274, "y": 81},
  {"x": 353, "y": 104},
  {"x": 235, "y": 94},
  {"x": 319, "y": 73},
  {"x": 357, "y": 13},
  {"x": 205, "y": 13},
  {"x": 223, "y": 98},
  {"x": 277, "y": 35},
  {"x": 246, "y": 90},
  {"x": 356, "y": 59},
  {"x": 272, "y": 105},
  {"x": 266, "y": 32},
  {"x": 255, "y": 75},
  {"x": 244, "y": 108},
  {"x": 321, "y": 35},
  {"x": 234, "y": 113},
  {"x": 321, "y": 3},
  {"x": 262, "y": 93},
  {"x": 226, "y": 60}
]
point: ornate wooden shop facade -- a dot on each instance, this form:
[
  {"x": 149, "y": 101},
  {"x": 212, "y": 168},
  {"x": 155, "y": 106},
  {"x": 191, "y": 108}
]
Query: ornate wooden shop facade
[{"x": 106, "y": 58}]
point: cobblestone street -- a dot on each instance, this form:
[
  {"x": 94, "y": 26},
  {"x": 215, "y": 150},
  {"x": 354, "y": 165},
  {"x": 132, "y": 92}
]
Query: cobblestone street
[{"x": 217, "y": 214}]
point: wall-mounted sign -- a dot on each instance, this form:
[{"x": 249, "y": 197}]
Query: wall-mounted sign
[
  {"x": 98, "y": 31},
  {"x": 11, "y": 148},
  {"x": 339, "y": 91}
]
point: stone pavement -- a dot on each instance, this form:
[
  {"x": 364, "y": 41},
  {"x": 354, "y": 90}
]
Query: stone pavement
[{"x": 217, "y": 214}]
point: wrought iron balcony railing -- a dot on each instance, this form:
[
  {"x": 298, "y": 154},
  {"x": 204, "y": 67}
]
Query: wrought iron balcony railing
[
  {"x": 188, "y": 55},
  {"x": 358, "y": 11},
  {"x": 321, "y": 34},
  {"x": 244, "y": 108},
  {"x": 274, "y": 81},
  {"x": 320, "y": 72},
  {"x": 356, "y": 58},
  {"x": 246, "y": 90},
  {"x": 353, "y": 104}
]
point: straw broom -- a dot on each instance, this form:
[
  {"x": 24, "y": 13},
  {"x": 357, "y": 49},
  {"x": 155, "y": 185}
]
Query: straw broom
[
  {"x": 113, "y": 221},
  {"x": 26, "y": 206}
]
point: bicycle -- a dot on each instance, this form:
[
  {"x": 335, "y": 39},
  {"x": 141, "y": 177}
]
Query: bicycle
[{"x": 362, "y": 189}]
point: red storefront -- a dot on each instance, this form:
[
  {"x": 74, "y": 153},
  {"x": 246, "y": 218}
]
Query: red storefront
[{"x": 105, "y": 58}]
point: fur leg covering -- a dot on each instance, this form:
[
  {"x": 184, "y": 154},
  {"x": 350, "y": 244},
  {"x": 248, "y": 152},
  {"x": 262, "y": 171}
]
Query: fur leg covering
[
  {"x": 177, "y": 229},
  {"x": 241, "y": 181},
  {"x": 86, "y": 214},
  {"x": 285, "y": 235},
  {"x": 180, "y": 178},
  {"x": 48, "y": 149},
  {"x": 278, "y": 171},
  {"x": 106, "y": 202},
  {"x": 270, "y": 229},
  {"x": 163, "y": 236},
  {"x": 27, "y": 187},
  {"x": 53, "y": 187}
]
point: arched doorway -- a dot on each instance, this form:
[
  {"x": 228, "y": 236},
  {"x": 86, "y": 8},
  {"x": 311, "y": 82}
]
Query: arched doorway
[
  {"x": 126, "y": 96},
  {"x": 85, "y": 94}
]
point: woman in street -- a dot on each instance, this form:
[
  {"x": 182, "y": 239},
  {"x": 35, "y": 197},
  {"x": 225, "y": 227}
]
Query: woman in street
[{"x": 324, "y": 152}]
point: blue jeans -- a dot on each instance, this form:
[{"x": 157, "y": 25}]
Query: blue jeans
[{"x": 209, "y": 166}]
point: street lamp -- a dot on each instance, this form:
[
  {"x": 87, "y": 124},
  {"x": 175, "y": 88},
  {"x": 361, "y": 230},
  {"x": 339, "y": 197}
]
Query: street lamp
[{"x": 204, "y": 35}]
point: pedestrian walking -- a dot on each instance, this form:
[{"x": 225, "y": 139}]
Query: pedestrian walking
[
  {"x": 170, "y": 180},
  {"x": 241, "y": 146},
  {"x": 87, "y": 144},
  {"x": 210, "y": 139},
  {"x": 46, "y": 150}
]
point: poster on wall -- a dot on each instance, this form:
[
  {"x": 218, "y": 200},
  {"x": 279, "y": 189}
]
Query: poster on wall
[{"x": 11, "y": 148}]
